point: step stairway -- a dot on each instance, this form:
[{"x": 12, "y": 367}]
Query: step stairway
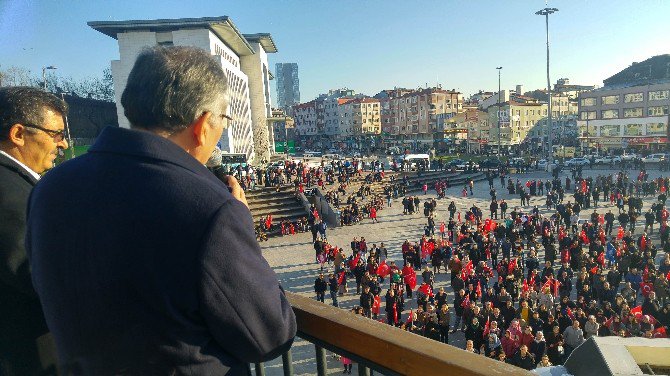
[{"x": 282, "y": 204}]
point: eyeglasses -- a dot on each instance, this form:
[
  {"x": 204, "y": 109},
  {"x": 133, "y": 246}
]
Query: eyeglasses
[{"x": 58, "y": 135}]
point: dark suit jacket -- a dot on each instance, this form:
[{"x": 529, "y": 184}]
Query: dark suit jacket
[
  {"x": 21, "y": 317},
  {"x": 145, "y": 264}
]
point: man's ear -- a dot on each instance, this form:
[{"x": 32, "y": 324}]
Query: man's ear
[
  {"x": 200, "y": 128},
  {"x": 17, "y": 135}
]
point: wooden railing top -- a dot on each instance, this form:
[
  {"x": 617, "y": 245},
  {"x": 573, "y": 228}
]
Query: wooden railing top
[{"x": 396, "y": 350}]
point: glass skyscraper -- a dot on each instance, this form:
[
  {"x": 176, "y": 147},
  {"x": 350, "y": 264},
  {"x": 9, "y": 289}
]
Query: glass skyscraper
[{"x": 288, "y": 85}]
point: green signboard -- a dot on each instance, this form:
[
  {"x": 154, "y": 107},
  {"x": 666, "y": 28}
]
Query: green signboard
[{"x": 280, "y": 147}]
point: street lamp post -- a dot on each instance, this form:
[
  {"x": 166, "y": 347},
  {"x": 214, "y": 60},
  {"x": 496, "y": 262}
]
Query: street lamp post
[
  {"x": 546, "y": 12},
  {"x": 499, "y": 129},
  {"x": 44, "y": 75}
]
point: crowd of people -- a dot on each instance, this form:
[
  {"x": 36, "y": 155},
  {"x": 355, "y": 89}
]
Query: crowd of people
[{"x": 597, "y": 277}]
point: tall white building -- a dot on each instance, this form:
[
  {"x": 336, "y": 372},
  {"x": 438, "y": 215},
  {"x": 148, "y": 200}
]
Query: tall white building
[{"x": 243, "y": 58}]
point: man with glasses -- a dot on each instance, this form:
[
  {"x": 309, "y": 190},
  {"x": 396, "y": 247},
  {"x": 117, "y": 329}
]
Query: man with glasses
[
  {"x": 145, "y": 262},
  {"x": 31, "y": 134}
]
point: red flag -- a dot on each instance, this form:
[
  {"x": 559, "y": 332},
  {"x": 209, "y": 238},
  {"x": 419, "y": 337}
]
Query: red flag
[
  {"x": 637, "y": 312},
  {"x": 660, "y": 333},
  {"x": 341, "y": 279},
  {"x": 645, "y": 274},
  {"x": 619, "y": 234},
  {"x": 376, "y": 304},
  {"x": 511, "y": 266},
  {"x": 568, "y": 311},
  {"x": 354, "y": 262},
  {"x": 425, "y": 288},
  {"x": 524, "y": 287},
  {"x": 594, "y": 270},
  {"x": 395, "y": 313},
  {"x": 411, "y": 281},
  {"x": 383, "y": 270},
  {"x": 410, "y": 318},
  {"x": 486, "y": 327},
  {"x": 601, "y": 258},
  {"x": 556, "y": 285},
  {"x": 547, "y": 285},
  {"x": 479, "y": 289},
  {"x": 646, "y": 288},
  {"x": 467, "y": 270},
  {"x": 466, "y": 301},
  {"x": 608, "y": 322}
]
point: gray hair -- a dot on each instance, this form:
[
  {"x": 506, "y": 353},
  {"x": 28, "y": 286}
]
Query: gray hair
[
  {"x": 26, "y": 105},
  {"x": 171, "y": 87}
]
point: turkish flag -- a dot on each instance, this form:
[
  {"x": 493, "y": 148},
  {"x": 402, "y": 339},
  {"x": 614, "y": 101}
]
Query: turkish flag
[
  {"x": 619, "y": 234},
  {"x": 637, "y": 312},
  {"x": 479, "y": 289},
  {"x": 354, "y": 262},
  {"x": 376, "y": 304},
  {"x": 411, "y": 281},
  {"x": 341, "y": 279},
  {"x": 646, "y": 288},
  {"x": 425, "y": 288},
  {"x": 466, "y": 301},
  {"x": 660, "y": 333},
  {"x": 383, "y": 270}
]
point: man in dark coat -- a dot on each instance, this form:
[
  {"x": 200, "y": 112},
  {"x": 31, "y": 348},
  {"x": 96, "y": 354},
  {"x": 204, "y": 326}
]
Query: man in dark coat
[
  {"x": 31, "y": 133},
  {"x": 144, "y": 261}
]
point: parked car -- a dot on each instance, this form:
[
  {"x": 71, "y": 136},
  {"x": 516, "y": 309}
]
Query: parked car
[
  {"x": 577, "y": 162},
  {"x": 542, "y": 164},
  {"x": 654, "y": 158},
  {"x": 490, "y": 163},
  {"x": 629, "y": 157},
  {"x": 455, "y": 163},
  {"x": 608, "y": 160}
]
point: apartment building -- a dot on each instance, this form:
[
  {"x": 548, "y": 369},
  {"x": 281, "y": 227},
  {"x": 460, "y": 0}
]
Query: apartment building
[
  {"x": 420, "y": 115},
  {"x": 625, "y": 115},
  {"x": 360, "y": 117},
  {"x": 304, "y": 115},
  {"x": 517, "y": 119}
]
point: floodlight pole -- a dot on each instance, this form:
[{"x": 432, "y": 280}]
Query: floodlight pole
[{"x": 546, "y": 12}]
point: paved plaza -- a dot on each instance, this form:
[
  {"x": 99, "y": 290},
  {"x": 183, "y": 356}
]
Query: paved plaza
[{"x": 293, "y": 257}]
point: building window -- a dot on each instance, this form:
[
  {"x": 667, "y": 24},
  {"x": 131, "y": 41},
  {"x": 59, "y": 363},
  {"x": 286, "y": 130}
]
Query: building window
[
  {"x": 587, "y": 115},
  {"x": 656, "y": 129},
  {"x": 633, "y": 129},
  {"x": 610, "y": 131},
  {"x": 657, "y": 110},
  {"x": 659, "y": 95},
  {"x": 588, "y": 101},
  {"x": 633, "y": 97},
  {"x": 611, "y": 99},
  {"x": 632, "y": 112},
  {"x": 609, "y": 114}
]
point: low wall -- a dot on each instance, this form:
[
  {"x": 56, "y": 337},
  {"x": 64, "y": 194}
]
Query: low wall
[{"x": 325, "y": 210}]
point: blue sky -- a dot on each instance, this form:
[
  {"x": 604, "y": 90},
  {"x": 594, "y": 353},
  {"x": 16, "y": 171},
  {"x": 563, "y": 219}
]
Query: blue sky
[{"x": 368, "y": 45}]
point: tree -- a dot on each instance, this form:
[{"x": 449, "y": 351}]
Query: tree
[{"x": 101, "y": 88}]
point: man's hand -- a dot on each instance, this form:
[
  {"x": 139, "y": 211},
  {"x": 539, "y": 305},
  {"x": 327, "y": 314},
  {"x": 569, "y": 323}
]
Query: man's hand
[{"x": 236, "y": 189}]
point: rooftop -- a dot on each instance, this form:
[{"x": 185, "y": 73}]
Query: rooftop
[{"x": 221, "y": 26}]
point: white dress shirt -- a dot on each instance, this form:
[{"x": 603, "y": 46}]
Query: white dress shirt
[{"x": 31, "y": 172}]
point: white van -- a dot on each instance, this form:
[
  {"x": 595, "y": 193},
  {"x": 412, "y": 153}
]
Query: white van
[
  {"x": 332, "y": 157},
  {"x": 311, "y": 154},
  {"x": 654, "y": 158}
]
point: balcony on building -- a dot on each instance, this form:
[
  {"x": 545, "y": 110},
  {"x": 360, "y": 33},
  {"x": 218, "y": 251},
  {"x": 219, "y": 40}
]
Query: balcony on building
[{"x": 378, "y": 348}]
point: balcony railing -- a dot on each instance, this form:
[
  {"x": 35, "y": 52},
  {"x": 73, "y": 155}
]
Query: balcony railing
[{"x": 378, "y": 347}]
